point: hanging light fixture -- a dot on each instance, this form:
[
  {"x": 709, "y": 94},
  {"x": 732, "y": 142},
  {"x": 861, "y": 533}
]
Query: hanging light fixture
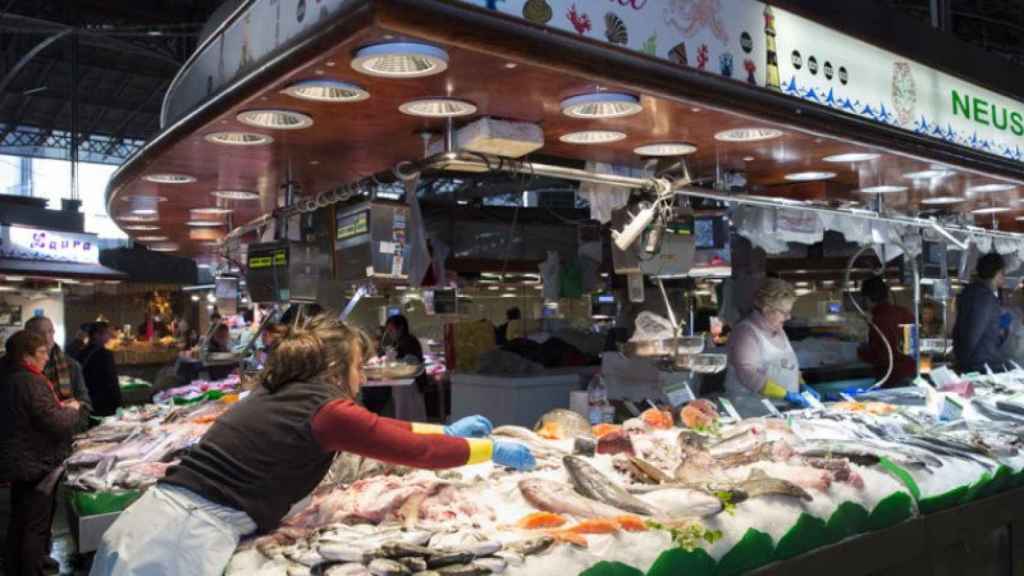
[
  {"x": 883, "y": 189},
  {"x": 852, "y": 157},
  {"x": 210, "y": 211},
  {"x": 989, "y": 188},
  {"x": 942, "y": 200},
  {"x": 990, "y": 210},
  {"x": 809, "y": 176},
  {"x": 665, "y": 149},
  {"x": 326, "y": 90},
  {"x": 593, "y": 137},
  {"x": 601, "y": 105},
  {"x": 168, "y": 178},
  {"x": 748, "y": 134},
  {"x": 235, "y": 195},
  {"x": 400, "y": 60},
  {"x": 239, "y": 138}
]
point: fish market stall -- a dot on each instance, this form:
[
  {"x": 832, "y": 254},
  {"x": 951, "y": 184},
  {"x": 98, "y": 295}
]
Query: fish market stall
[{"x": 695, "y": 150}]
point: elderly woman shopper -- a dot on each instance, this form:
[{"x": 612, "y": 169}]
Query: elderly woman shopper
[
  {"x": 63, "y": 371},
  {"x": 271, "y": 450},
  {"x": 41, "y": 440},
  {"x": 762, "y": 364}
]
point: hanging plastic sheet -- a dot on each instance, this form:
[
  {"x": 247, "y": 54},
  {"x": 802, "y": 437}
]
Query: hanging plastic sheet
[
  {"x": 549, "y": 270},
  {"x": 419, "y": 255},
  {"x": 758, "y": 225},
  {"x": 605, "y": 198}
]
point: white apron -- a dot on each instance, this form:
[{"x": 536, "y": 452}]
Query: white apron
[{"x": 781, "y": 365}]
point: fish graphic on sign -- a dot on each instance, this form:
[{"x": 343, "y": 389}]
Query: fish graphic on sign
[
  {"x": 692, "y": 16},
  {"x": 615, "y": 29},
  {"x": 537, "y": 11},
  {"x": 904, "y": 93},
  {"x": 581, "y": 22}
]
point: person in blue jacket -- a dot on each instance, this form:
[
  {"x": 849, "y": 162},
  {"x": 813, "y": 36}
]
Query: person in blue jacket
[{"x": 977, "y": 335}]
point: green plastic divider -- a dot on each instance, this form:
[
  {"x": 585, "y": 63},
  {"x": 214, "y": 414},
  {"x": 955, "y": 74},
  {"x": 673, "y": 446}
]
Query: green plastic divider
[
  {"x": 807, "y": 534},
  {"x": 933, "y": 504},
  {"x": 1000, "y": 482},
  {"x": 93, "y": 503},
  {"x": 848, "y": 520},
  {"x": 208, "y": 395},
  {"x": 893, "y": 509},
  {"x": 754, "y": 550},
  {"x": 974, "y": 491},
  {"x": 678, "y": 561},
  {"x": 604, "y": 568},
  {"x": 902, "y": 475}
]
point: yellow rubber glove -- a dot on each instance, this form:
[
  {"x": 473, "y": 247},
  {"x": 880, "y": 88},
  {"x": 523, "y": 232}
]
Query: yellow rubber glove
[{"x": 772, "y": 389}]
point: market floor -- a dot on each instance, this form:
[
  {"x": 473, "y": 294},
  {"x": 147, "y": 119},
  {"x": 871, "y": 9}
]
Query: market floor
[{"x": 63, "y": 544}]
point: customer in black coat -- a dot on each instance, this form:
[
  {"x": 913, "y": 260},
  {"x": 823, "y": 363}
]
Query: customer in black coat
[
  {"x": 977, "y": 338},
  {"x": 100, "y": 371}
]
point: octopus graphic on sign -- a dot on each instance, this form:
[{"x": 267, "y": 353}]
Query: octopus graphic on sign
[
  {"x": 904, "y": 93},
  {"x": 692, "y": 16}
]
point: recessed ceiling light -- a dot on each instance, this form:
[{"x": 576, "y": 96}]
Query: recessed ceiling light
[
  {"x": 748, "y": 158},
  {"x": 852, "y": 157},
  {"x": 990, "y": 210},
  {"x": 986, "y": 188},
  {"x": 235, "y": 195},
  {"x": 508, "y": 295},
  {"x": 400, "y": 60},
  {"x": 238, "y": 138},
  {"x": 137, "y": 218},
  {"x": 142, "y": 198},
  {"x": 928, "y": 174},
  {"x": 601, "y": 105},
  {"x": 883, "y": 189},
  {"x": 140, "y": 228},
  {"x": 511, "y": 65},
  {"x": 151, "y": 238},
  {"x": 438, "y": 108},
  {"x": 753, "y": 134},
  {"x": 592, "y": 137},
  {"x": 145, "y": 211},
  {"x": 940, "y": 200},
  {"x": 326, "y": 90},
  {"x": 15, "y": 278},
  {"x": 665, "y": 149},
  {"x": 169, "y": 178},
  {"x": 808, "y": 176},
  {"x": 165, "y": 247},
  {"x": 210, "y": 211},
  {"x": 275, "y": 119},
  {"x": 204, "y": 223}
]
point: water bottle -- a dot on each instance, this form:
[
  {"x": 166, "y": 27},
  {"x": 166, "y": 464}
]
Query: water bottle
[{"x": 597, "y": 398}]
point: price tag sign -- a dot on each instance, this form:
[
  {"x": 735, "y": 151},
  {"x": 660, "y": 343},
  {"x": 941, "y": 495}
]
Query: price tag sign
[
  {"x": 951, "y": 409},
  {"x": 922, "y": 383},
  {"x": 631, "y": 407},
  {"x": 772, "y": 410},
  {"x": 812, "y": 401},
  {"x": 729, "y": 408},
  {"x": 680, "y": 395},
  {"x": 846, "y": 397}
]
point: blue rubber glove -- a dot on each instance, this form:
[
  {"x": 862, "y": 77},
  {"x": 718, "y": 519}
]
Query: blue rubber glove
[
  {"x": 513, "y": 455},
  {"x": 1004, "y": 320},
  {"x": 796, "y": 400},
  {"x": 854, "y": 391},
  {"x": 470, "y": 427},
  {"x": 811, "y": 391}
]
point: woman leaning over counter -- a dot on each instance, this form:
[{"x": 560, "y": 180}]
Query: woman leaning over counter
[
  {"x": 762, "y": 363},
  {"x": 272, "y": 449}
]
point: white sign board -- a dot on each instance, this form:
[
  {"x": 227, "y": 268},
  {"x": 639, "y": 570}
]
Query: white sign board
[{"x": 20, "y": 243}]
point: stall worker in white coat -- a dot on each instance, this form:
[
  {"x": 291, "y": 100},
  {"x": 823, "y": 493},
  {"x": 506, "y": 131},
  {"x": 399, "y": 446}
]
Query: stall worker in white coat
[{"x": 762, "y": 363}]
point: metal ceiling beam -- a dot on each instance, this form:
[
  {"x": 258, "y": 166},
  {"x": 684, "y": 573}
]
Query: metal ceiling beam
[
  {"x": 29, "y": 56},
  {"x": 24, "y": 102},
  {"x": 119, "y": 131}
]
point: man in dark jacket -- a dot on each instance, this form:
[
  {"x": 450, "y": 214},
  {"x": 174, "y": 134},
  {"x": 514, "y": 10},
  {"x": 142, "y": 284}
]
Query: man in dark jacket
[
  {"x": 976, "y": 336},
  {"x": 63, "y": 371},
  {"x": 100, "y": 371}
]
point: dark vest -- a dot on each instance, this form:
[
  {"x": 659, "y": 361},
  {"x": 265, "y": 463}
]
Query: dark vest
[{"x": 260, "y": 456}]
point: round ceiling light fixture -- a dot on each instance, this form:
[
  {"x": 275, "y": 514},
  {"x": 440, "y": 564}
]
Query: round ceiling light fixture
[
  {"x": 989, "y": 188},
  {"x": 928, "y": 174},
  {"x": 168, "y": 178},
  {"x": 883, "y": 189},
  {"x": 142, "y": 198},
  {"x": 990, "y": 210},
  {"x": 326, "y": 90},
  {"x": 210, "y": 211},
  {"x": 140, "y": 228},
  {"x": 151, "y": 238},
  {"x": 749, "y": 134},
  {"x": 942, "y": 200},
  {"x": 238, "y": 138},
  {"x": 145, "y": 211},
  {"x": 601, "y": 105},
  {"x": 204, "y": 223},
  {"x": 137, "y": 218},
  {"x": 438, "y": 108},
  {"x": 275, "y": 119},
  {"x": 665, "y": 149},
  {"x": 165, "y": 247},
  {"x": 400, "y": 60},
  {"x": 593, "y": 137},
  {"x": 235, "y": 195},
  {"x": 809, "y": 176},
  {"x": 852, "y": 157}
]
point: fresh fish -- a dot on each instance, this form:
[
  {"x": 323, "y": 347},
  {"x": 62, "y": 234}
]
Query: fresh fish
[
  {"x": 592, "y": 484},
  {"x": 649, "y": 470},
  {"x": 584, "y": 446},
  {"x": 385, "y": 567},
  {"x": 297, "y": 570},
  {"x": 396, "y": 550},
  {"x": 342, "y": 552},
  {"x": 760, "y": 452},
  {"x": 464, "y": 570},
  {"x": 552, "y": 496},
  {"x": 690, "y": 441},
  {"x": 538, "y": 445},
  {"x": 680, "y": 502},
  {"x": 303, "y": 556},
  {"x": 615, "y": 442},
  {"x": 413, "y": 563},
  {"x": 567, "y": 423},
  {"x": 483, "y": 548},
  {"x": 529, "y": 547},
  {"x": 449, "y": 558},
  {"x": 951, "y": 449},
  {"x": 736, "y": 444},
  {"x": 760, "y": 484},
  {"x": 696, "y": 467},
  {"x": 865, "y": 454},
  {"x": 494, "y": 564},
  {"x": 339, "y": 569}
]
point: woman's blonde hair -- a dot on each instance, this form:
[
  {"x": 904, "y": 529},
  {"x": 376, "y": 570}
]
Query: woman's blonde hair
[
  {"x": 772, "y": 293},
  {"x": 319, "y": 351}
]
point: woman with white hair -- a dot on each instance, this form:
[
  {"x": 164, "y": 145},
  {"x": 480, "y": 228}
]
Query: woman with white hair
[{"x": 762, "y": 364}]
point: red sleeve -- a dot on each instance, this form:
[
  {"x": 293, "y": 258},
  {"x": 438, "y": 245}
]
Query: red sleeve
[{"x": 344, "y": 426}]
